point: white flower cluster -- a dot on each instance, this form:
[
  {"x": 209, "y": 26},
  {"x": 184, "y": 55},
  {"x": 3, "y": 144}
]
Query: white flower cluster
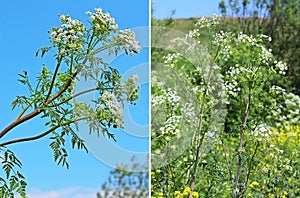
[
  {"x": 127, "y": 39},
  {"x": 205, "y": 22},
  {"x": 171, "y": 125},
  {"x": 174, "y": 121},
  {"x": 226, "y": 52},
  {"x": 202, "y": 23},
  {"x": 262, "y": 132},
  {"x": 265, "y": 37},
  {"x": 171, "y": 58},
  {"x": 288, "y": 113},
  {"x": 220, "y": 37},
  {"x": 281, "y": 66},
  {"x": 69, "y": 35},
  {"x": 292, "y": 103},
  {"x": 132, "y": 88},
  {"x": 231, "y": 85},
  {"x": 277, "y": 90},
  {"x": 110, "y": 103},
  {"x": 243, "y": 38},
  {"x": 193, "y": 33},
  {"x": 265, "y": 55},
  {"x": 223, "y": 39},
  {"x": 200, "y": 89},
  {"x": 102, "y": 22},
  {"x": 169, "y": 96}
]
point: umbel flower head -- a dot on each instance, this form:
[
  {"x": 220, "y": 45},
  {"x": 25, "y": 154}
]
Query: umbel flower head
[
  {"x": 73, "y": 36},
  {"x": 102, "y": 23},
  {"x": 127, "y": 40},
  {"x": 69, "y": 36},
  {"x": 79, "y": 47}
]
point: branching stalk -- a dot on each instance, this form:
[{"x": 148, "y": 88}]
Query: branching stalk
[
  {"x": 25, "y": 109},
  {"x": 40, "y": 135},
  {"x": 20, "y": 119},
  {"x": 250, "y": 164},
  {"x": 54, "y": 77},
  {"x": 199, "y": 142},
  {"x": 39, "y": 110},
  {"x": 100, "y": 49},
  {"x": 74, "y": 96},
  {"x": 200, "y": 135},
  {"x": 238, "y": 170}
]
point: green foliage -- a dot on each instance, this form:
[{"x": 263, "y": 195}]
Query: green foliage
[
  {"x": 275, "y": 167},
  {"x": 215, "y": 111},
  {"x": 14, "y": 181},
  {"x": 127, "y": 182},
  {"x": 278, "y": 19},
  {"x": 75, "y": 48}
]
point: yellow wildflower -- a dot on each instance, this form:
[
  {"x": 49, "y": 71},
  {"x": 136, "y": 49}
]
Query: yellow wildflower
[
  {"x": 177, "y": 193},
  {"x": 271, "y": 195},
  {"x": 253, "y": 184},
  {"x": 186, "y": 191},
  {"x": 195, "y": 195}
]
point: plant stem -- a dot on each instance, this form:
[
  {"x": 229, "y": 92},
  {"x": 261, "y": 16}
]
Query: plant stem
[
  {"x": 54, "y": 76},
  {"x": 238, "y": 170},
  {"x": 199, "y": 142},
  {"x": 19, "y": 121},
  {"x": 100, "y": 49},
  {"x": 74, "y": 96},
  {"x": 25, "y": 109},
  {"x": 40, "y": 135},
  {"x": 40, "y": 110},
  {"x": 250, "y": 163},
  {"x": 227, "y": 161},
  {"x": 200, "y": 135}
]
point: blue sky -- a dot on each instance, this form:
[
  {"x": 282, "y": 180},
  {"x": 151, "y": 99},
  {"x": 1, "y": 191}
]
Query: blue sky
[
  {"x": 24, "y": 30},
  {"x": 185, "y": 8}
]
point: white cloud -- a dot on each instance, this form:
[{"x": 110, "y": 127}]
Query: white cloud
[{"x": 76, "y": 192}]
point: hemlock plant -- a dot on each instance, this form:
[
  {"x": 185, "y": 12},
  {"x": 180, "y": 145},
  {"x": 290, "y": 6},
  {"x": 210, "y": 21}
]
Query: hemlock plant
[
  {"x": 76, "y": 49},
  {"x": 218, "y": 119}
]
